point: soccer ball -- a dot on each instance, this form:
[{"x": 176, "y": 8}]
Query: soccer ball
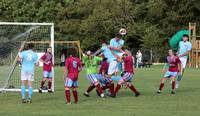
[{"x": 122, "y": 31}]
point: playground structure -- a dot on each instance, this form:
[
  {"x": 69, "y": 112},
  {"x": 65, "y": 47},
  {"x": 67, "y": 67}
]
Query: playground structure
[{"x": 194, "y": 60}]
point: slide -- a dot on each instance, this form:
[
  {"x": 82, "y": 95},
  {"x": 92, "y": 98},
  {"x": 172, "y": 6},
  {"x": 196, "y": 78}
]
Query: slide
[{"x": 176, "y": 38}]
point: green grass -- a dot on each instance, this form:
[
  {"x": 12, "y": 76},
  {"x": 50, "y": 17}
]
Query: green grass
[{"x": 184, "y": 103}]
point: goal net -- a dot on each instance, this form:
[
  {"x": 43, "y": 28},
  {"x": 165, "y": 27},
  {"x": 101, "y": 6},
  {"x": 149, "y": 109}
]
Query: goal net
[{"x": 13, "y": 37}]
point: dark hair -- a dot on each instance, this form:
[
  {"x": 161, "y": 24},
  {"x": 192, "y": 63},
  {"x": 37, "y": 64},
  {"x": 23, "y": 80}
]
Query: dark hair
[
  {"x": 30, "y": 46},
  {"x": 104, "y": 59},
  {"x": 72, "y": 51},
  {"x": 104, "y": 42},
  {"x": 118, "y": 35},
  {"x": 185, "y": 35}
]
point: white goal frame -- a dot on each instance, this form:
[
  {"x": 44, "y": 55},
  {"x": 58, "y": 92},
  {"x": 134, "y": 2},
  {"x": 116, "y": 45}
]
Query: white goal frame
[{"x": 4, "y": 89}]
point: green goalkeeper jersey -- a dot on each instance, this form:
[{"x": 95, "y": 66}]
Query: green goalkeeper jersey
[{"x": 92, "y": 64}]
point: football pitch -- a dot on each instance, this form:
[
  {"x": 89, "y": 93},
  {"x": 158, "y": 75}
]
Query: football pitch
[{"x": 186, "y": 101}]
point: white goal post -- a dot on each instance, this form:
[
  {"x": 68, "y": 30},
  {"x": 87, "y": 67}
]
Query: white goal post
[{"x": 14, "y": 35}]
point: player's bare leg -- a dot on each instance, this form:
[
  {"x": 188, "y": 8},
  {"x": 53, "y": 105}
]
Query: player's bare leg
[
  {"x": 75, "y": 94},
  {"x": 161, "y": 84},
  {"x": 67, "y": 95}
]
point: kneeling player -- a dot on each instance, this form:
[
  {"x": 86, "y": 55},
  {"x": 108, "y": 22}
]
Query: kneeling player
[
  {"x": 103, "y": 75},
  {"x": 174, "y": 68},
  {"x": 73, "y": 65},
  {"x": 47, "y": 69},
  {"x": 128, "y": 73}
]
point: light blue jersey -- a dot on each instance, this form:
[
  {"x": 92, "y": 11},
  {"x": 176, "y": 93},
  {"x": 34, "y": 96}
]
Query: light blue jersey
[
  {"x": 29, "y": 58},
  {"x": 184, "y": 47},
  {"x": 108, "y": 54},
  {"x": 116, "y": 44}
]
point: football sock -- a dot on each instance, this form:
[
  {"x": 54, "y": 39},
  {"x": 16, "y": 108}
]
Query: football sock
[
  {"x": 30, "y": 92},
  {"x": 23, "y": 91},
  {"x": 67, "y": 95},
  {"x": 112, "y": 88},
  {"x": 90, "y": 88},
  {"x": 117, "y": 88},
  {"x": 42, "y": 84},
  {"x": 173, "y": 85},
  {"x": 161, "y": 86},
  {"x": 104, "y": 87},
  {"x": 75, "y": 93},
  {"x": 133, "y": 89},
  {"x": 98, "y": 87},
  {"x": 49, "y": 84}
]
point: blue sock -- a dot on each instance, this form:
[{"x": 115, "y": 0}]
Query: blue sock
[
  {"x": 23, "y": 91},
  {"x": 30, "y": 92},
  {"x": 179, "y": 77}
]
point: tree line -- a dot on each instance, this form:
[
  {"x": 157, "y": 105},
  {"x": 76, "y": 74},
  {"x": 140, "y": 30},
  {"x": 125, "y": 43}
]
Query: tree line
[{"x": 150, "y": 23}]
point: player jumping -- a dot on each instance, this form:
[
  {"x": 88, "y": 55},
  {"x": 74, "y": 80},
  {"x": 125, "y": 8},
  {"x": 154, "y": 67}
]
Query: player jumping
[
  {"x": 184, "y": 49},
  {"x": 112, "y": 58}
]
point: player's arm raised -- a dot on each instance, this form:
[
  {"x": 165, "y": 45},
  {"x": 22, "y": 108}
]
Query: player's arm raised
[{"x": 97, "y": 52}]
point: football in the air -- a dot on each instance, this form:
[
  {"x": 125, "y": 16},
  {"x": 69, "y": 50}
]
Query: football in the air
[{"x": 122, "y": 31}]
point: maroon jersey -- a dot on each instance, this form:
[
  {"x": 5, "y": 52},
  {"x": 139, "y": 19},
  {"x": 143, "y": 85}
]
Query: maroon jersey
[
  {"x": 47, "y": 57},
  {"x": 128, "y": 64},
  {"x": 173, "y": 62},
  {"x": 104, "y": 67},
  {"x": 73, "y": 64}
]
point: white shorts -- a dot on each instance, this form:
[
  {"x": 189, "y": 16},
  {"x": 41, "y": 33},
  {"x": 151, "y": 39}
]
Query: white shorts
[
  {"x": 27, "y": 76},
  {"x": 120, "y": 54},
  {"x": 113, "y": 67},
  {"x": 183, "y": 62}
]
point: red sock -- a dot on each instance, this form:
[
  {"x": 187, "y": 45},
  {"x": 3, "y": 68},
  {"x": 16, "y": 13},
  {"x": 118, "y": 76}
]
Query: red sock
[
  {"x": 90, "y": 88},
  {"x": 112, "y": 88},
  {"x": 117, "y": 88},
  {"x": 104, "y": 87},
  {"x": 161, "y": 86},
  {"x": 98, "y": 87},
  {"x": 133, "y": 89},
  {"x": 67, "y": 94},
  {"x": 75, "y": 93},
  {"x": 49, "y": 84},
  {"x": 42, "y": 84},
  {"x": 173, "y": 85}
]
